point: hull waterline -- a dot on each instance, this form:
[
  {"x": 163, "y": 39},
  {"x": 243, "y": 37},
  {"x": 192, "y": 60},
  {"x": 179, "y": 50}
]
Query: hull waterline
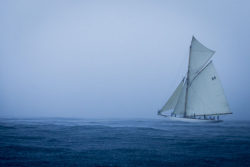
[{"x": 194, "y": 120}]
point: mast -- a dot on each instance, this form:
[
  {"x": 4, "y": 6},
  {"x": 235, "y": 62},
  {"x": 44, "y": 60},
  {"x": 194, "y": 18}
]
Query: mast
[
  {"x": 202, "y": 93},
  {"x": 186, "y": 96}
]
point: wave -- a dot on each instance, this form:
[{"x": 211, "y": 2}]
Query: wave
[{"x": 123, "y": 143}]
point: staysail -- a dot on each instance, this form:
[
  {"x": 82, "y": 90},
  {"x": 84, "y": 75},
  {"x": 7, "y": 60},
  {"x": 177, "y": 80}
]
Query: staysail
[
  {"x": 180, "y": 106},
  {"x": 206, "y": 95},
  {"x": 171, "y": 103}
]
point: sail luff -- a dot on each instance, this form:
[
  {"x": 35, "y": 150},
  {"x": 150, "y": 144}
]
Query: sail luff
[{"x": 188, "y": 73}]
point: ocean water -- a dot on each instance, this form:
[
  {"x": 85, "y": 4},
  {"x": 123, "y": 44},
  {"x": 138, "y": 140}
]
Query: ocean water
[{"x": 125, "y": 143}]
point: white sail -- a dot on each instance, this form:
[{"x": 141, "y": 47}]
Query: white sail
[
  {"x": 206, "y": 95},
  {"x": 199, "y": 56},
  {"x": 170, "y": 104},
  {"x": 180, "y": 106},
  {"x": 202, "y": 93}
]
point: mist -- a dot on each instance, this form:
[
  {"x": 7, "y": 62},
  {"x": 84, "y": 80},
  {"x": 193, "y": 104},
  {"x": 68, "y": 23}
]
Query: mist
[{"x": 115, "y": 59}]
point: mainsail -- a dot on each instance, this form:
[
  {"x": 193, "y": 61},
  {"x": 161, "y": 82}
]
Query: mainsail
[
  {"x": 206, "y": 95},
  {"x": 201, "y": 93}
]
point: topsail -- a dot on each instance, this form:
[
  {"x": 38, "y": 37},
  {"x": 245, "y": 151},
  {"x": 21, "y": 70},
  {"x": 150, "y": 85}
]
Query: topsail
[{"x": 199, "y": 56}]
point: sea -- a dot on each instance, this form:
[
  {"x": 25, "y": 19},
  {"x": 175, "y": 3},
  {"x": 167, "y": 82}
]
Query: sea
[{"x": 52, "y": 142}]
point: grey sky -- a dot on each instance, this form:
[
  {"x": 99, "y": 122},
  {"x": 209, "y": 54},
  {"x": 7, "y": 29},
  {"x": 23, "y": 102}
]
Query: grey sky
[{"x": 115, "y": 58}]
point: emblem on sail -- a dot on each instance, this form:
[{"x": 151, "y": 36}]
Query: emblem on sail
[{"x": 200, "y": 93}]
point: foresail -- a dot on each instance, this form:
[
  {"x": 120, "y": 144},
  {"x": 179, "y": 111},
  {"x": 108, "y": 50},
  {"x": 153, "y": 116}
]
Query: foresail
[
  {"x": 206, "y": 95},
  {"x": 180, "y": 106},
  {"x": 170, "y": 104},
  {"x": 199, "y": 56}
]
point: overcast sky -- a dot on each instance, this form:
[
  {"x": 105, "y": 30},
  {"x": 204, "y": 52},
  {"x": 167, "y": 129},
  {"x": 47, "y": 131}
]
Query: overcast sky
[{"x": 115, "y": 59}]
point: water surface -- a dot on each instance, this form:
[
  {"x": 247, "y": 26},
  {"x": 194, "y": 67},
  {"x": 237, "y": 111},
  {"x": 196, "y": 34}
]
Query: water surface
[{"x": 125, "y": 143}]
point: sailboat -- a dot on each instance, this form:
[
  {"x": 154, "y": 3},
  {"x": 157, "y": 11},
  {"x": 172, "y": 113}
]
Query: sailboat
[{"x": 199, "y": 97}]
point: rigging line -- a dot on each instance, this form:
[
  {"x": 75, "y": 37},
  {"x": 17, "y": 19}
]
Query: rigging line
[
  {"x": 200, "y": 72},
  {"x": 179, "y": 71},
  {"x": 183, "y": 60}
]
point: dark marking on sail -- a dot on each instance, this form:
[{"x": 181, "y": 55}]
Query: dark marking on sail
[{"x": 214, "y": 77}]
